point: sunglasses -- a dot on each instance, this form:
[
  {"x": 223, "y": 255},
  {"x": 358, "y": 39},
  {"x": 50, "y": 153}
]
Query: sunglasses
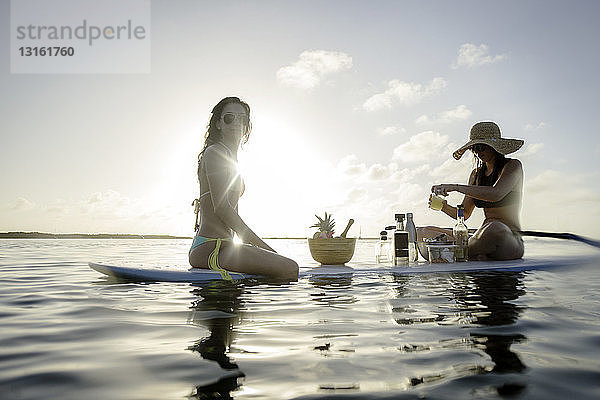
[
  {"x": 478, "y": 148},
  {"x": 228, "y": 118}
]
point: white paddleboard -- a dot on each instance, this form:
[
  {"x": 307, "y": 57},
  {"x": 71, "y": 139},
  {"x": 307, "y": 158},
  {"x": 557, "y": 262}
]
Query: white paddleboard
[
  {"x": 162, "y": 275},
  {"x": 198, "y": 274},
  {"x": 523, "y": 264},
  {"x": 168, "y": 274},
  {"x": 205, "y": 275}
]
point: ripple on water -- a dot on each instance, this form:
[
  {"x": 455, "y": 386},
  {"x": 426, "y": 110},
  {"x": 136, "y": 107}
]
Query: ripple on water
[{"x": 69, "y": 333}]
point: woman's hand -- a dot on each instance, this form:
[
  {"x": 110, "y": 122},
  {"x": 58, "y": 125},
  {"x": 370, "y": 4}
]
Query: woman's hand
[
  {"x": 443, "y": 189},
  {"x": 254, "y": 240},
  {"x": 443, "y": 201},
  {"x": 268, "y": 248}
]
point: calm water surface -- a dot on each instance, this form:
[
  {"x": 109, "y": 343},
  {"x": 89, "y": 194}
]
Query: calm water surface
[{"x": 67, "y": 332}]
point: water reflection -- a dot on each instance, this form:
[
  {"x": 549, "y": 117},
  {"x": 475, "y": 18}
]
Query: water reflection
[
  {"x": 482, "y": 303},
  {"x": 496, "y": 292},
  {"x": 404, "y": 309},
  {"x": 218, "y": 309},
  {"x": 493, "y": 293},
  {"x": 332, "y": 291}
]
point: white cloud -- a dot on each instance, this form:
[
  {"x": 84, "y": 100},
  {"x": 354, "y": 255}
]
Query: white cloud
[
  {"x": 58, "y": 207},
  {"x": 452, "y": 170},
  {"x": 459, "y": 113},
  {"x": 310, "y": 68},
  {"x": 379, "y": 171},
  {"x": 96, "y": 212},
  {"x": 421, "y": 147},
  {"x": 350, "y": 165},
  {"x": 553, "y": 201},
  {"x": 530, "y": 149},
  {"x": 470, "y": 55},
  {"x": 374, "y": 192},
  {"x": 572, "y": 190},
  {"x": 392, "y": 130},
  {"x": 405, "y": 93},
  {"x": 110, "y": 204},
  {"x": 534, "y": 127},
  {"x": 542, "y": 182},
  {"x": 408, "y": 175},
  {"x": 356, "y": 194},
  {"x": 378, "y": 192},
  {"x": 22, "y": 204},
  {"x": 109, "y": 199}
]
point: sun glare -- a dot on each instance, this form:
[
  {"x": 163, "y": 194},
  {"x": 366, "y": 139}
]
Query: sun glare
[{"x": 287, "y": 181}]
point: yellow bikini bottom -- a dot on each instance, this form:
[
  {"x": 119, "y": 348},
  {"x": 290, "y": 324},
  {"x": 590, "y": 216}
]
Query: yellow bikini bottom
[{"x": 213, "y": 258}]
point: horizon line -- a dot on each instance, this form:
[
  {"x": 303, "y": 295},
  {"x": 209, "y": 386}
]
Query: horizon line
[{"x": 49, "y": 235}]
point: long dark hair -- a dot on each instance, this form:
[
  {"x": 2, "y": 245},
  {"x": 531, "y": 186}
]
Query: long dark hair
[
  {"x": 499, "y": 163},
  {"x": 213, "y": 134}
]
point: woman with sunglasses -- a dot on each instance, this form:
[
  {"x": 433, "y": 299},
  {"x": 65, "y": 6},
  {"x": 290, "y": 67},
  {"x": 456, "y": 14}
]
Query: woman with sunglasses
[
  {"x": 220, "y": 189},
  {"x": 496, "y": 186}
]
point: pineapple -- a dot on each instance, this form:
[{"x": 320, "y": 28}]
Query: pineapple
[{"x": 324, "y": 226}]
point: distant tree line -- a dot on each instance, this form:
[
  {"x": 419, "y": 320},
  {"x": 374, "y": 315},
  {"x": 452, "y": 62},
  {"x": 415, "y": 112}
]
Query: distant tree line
[{"x": 41, "y": 235}]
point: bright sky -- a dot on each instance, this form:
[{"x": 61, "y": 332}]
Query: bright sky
[{"x": 357, "y": 107}]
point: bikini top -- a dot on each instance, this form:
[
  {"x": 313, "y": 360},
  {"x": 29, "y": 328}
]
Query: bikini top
[
  {"x": 233, "y": 174},
  {"x": 512, "y": 197}
]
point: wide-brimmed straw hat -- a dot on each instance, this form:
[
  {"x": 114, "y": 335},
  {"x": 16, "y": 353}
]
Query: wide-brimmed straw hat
[{"x": 489, "y": 133}]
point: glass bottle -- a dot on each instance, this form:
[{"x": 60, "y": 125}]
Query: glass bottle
[
  {"x": 383, "y": 251},
  {"x": 413, "y": 254},
  {"x": 400, "y": 242},
  {"x": 461, "y": 235}
]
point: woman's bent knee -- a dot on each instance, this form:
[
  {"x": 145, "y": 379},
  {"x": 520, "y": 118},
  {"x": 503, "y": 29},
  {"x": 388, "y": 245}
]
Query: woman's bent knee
[
  {"x": 495, "y": 228},
  {"x": 292, "y": 269},
  {"x": 496, "y": 241},
  {"x": 430, "y": 232},
  {"x": 286, "y": 267}
]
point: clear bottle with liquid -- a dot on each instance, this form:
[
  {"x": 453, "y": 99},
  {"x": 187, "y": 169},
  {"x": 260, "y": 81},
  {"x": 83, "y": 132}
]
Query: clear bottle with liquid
[
  {"x": 383, "y": 250},
  {"x": 413, "y": 253},
  {"x": 400, "y": 242},
  {"x": 461, "y": 235}
]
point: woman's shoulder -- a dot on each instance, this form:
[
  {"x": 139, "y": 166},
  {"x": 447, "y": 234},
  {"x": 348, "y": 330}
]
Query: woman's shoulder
[
  {"x": 512, "y": 167},
  {"x": 215, "y": 152},
  {"x": 513, "y": 163}
]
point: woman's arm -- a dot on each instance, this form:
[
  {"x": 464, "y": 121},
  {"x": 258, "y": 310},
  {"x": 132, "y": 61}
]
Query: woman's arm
[
  {"x": 217, "y": 165},
  {"x": 467, "y": 202},
  {"x": 510, "y": 175},
  {"x": 449, "y": 210}
]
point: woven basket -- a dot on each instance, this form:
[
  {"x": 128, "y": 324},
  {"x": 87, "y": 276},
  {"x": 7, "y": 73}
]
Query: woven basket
[{"x": 334, "y": 251}]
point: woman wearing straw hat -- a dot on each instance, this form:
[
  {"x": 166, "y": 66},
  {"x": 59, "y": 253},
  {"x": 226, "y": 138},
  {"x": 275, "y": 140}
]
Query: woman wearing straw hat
[{"x": 496, "y": 186}]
